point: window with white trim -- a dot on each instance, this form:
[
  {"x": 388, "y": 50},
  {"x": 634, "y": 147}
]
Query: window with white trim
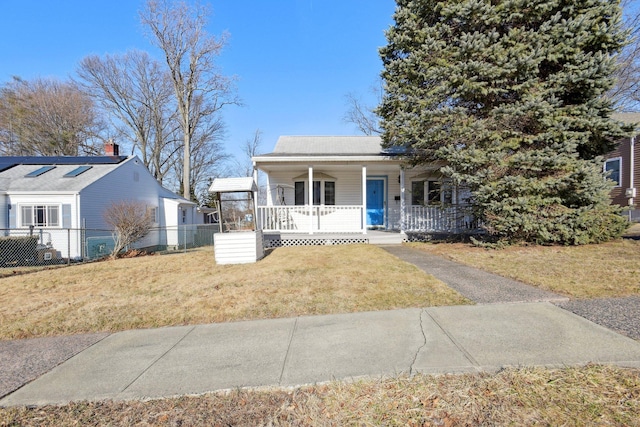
[
  {"x": 613, "y": 168},
  {"x": 152, "y": 212},
  {"x": 40, "y": 215},
  {"x": 431, "y": 192},
  {"x": 324, "y": 193}
]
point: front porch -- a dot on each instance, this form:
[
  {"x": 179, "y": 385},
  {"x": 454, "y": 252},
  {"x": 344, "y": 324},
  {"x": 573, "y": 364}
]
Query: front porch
[{"x": 352, "y": 185}]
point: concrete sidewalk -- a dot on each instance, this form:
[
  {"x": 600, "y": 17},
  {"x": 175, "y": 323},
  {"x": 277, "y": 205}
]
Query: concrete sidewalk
[{"x": 287, "y": 352}]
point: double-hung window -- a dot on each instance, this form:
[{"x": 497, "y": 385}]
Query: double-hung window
[
  {"x": 613, "y": 168},
  {"x": 40, "y": 215},
  {"x": 431, "y": 192},
  {"x": 324, "y": 193}
]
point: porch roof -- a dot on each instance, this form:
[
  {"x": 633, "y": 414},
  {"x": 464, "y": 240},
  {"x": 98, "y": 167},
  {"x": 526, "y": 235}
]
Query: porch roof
[
  {"x": 328, "y": 145},
  {"x": 233, "y": 185},
  {"x": 319, "y": 150}
]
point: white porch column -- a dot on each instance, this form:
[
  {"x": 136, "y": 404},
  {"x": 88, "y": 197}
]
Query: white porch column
[
  {"x": 310, "y": 199},
  {"x": 255, "y": 198},
  {"x": 403, "y": 220},
  {"x": 364, "y": 200}
]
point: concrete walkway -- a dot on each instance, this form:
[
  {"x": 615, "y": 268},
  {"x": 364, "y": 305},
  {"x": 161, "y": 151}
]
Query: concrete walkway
[
  {"x": 477, "y": 285},
  {"x": 173, "y": 361}
]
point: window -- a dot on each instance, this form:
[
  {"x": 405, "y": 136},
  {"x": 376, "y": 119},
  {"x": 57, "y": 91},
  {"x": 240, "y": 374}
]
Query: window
[
  {"x": 417, "y": 193},
  {"x": 299, "y": 189},
  {"x": 329, "y": 193},
  {"x": 77, "y": 171},
  {"x": 434, "y": 192},
  {"x": 317, "y": 194},
  {"x": 431, "y": 193},
  {"x": 39, "y": 171},
  {"x": 612, "y": 167},
  {"x": 40, "y": 216},
  {"x": 324, "y": 193},
  {"x": 152, "y": 211}
]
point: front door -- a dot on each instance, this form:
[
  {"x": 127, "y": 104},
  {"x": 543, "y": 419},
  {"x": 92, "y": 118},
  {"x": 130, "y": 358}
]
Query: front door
[{"x": 375, "y": 202}]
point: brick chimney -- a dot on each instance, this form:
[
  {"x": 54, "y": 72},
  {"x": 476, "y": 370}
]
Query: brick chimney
[{"x": 111, "y": 149}]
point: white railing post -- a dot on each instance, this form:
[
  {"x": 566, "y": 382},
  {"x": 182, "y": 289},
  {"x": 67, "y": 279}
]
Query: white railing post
[
  {"x": 403, "y": 225},
  {"x": 310, "y": 199},
  {"x": 364, "y": 200}
]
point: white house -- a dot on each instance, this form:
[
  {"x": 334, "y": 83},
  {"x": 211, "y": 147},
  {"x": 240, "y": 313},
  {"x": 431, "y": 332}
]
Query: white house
[
  {"x": 356, "y": 186},
  {"x": 64, "y": 200}
]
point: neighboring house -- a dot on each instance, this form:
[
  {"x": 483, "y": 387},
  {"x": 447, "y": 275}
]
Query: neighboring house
[
  {"x": 350, "y": 184},
  {"x": 623, "y": 165},
  {"x": 65, "y": 198}
]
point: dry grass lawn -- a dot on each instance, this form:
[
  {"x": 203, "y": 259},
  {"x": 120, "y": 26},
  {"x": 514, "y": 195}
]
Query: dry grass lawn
[
  {"x": 592, "y": 395},
  {"x": 189, "y": 288},
  {"x": 591, "y": 271}
]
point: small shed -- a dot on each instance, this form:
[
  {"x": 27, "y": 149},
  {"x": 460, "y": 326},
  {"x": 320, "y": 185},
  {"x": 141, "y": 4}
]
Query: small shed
[{"x": 239, "y": 240}]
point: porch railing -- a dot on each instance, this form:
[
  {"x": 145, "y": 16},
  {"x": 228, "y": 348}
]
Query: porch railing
[
  {"x": 452, "y": 219},
  {"x": 348, "y": 219},
  {"x": 301, "y": 219}
]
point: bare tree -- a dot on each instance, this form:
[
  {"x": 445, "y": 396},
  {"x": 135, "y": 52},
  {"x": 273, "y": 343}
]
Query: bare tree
[
  {"x": 131, "y": 221},
  {"x": 250, "y": 149},
  {"x": 190, "y": 52},
  {"x": 362, "y": 115},
  {"x": 626, "y": 92},
  {"x": 137, "y": 93},
  {"x": 47, "y": 117}
]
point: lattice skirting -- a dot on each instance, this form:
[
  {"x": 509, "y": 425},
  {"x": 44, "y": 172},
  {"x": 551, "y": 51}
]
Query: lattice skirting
[{"x": 320, "y": 241}]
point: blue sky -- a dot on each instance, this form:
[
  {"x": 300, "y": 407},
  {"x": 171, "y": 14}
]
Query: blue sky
[{"x": 294, "y": 59}]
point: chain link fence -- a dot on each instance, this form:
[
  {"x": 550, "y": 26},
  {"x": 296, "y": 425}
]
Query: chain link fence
[{"x": 52, "y": 246}]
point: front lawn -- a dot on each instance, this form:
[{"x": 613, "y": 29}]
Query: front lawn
[
  {"x": 189, "y": 288},
  {"x": 606, "y": 270}
]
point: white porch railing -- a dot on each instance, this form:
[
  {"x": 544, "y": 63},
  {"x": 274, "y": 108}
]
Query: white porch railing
[
  {"x": 452, "y": 219},
  {"x": 299, "y": 219},
  {"x": 348, "y": 219}
]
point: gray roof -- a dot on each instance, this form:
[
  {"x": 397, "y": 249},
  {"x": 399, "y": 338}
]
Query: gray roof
[
  {"x": 627, "y": 118},
  {"x": 15, "y": 179},
  {"x": 328, "y": 145}
]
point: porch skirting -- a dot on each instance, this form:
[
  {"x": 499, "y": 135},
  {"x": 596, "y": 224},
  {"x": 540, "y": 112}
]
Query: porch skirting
[{"x": 277, "y": 240}]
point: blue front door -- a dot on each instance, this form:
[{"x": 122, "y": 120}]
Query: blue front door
[{"x": 375, "y": 202}]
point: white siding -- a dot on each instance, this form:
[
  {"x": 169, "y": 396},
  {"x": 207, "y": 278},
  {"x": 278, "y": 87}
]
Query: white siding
[
  {"x": 4, "y": 212},
  {"x": 348, "y": 186},
  {"x": 66, "y": 244},
  {"x": 130, "y": 181},
  {"x": 240, "y": 247}
]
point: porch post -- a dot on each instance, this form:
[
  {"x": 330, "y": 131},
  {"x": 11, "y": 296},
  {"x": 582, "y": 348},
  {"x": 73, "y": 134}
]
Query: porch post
[
  {"x": 403, "y": 220},
  {"x": 255, "y": 199},
  {"x": 310, "y": 199},
  {"x": 364, "y": 199}
]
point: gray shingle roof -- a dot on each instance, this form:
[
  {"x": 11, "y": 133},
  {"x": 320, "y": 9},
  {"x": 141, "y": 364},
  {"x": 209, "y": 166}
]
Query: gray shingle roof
[
  {"x": 627, "y": 118},
  {"x": 328, "y": 145},
  {"x": 15, "y": 179}
]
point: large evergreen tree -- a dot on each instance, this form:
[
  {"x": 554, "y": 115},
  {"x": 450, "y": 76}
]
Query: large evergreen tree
[{"x": 509, "y": 94}]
